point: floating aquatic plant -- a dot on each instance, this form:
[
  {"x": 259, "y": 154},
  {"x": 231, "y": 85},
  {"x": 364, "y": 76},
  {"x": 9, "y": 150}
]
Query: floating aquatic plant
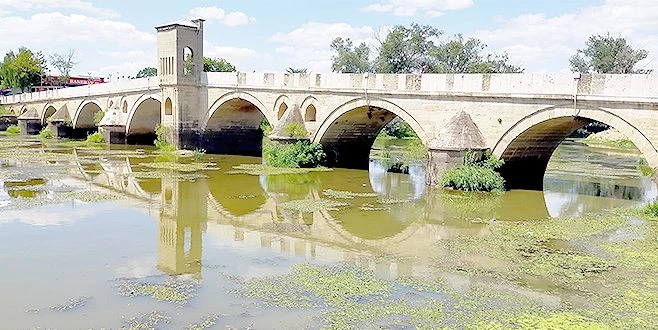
[
  {"x": 346, "y": 194},
  {"x": 312, "y": 205}
]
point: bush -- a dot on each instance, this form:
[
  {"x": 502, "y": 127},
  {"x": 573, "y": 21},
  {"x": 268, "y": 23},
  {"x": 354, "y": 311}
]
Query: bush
[
  {"x": 46, "y": 134},
  {"x": 3, "y": 110},
  {"x": 160, "y": 142},
  {"x": 198, "y": 154},
  {"x": 265, "y": 127},
  {"x": 13, "y": 130},
  {"x": 295, "y": 130},
  {"x": 476, "y": 174},
  {"x": 651, "y": 209},
  {"x": 95, "y": 138},
  {"x": 300, "y": 154}
]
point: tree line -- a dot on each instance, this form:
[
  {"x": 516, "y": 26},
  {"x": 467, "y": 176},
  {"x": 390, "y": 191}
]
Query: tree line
[{"x": 423, "y": 49}]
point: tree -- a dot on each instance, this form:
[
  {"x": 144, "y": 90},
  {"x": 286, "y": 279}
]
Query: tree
[
  {"x": 147, "y": 72},
  {"x": 22, "y": 70},
  {"x": 407, "y": 50},
  {"x": 607, "y": 54},
  {"x": 465, "y": 56},
  {"x": 297, "y": 70},
  {"x": 217, "y": 65},
  {"x": 418, "y": 49},
  {"x": 350, "y": 59},
  {"x": 64, "y": 63}
]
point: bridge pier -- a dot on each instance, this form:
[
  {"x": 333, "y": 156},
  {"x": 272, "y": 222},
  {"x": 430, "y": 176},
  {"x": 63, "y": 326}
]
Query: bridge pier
[
  {"x": 30, "y": 126},
  {"x": 449, "y": 147},
  {"x": 115, "y": 134}
]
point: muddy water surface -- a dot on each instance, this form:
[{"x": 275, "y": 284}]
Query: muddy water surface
[{"x": 102, "y": 238}]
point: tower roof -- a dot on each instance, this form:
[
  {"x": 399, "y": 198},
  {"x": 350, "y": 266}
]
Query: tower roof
[{"x": 461, "y": 133}]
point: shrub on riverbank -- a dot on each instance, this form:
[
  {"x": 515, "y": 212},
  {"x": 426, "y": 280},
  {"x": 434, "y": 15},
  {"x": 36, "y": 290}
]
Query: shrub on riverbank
[
  {"x": 161, "y": 140},
  {"x": 13, "y": 130},
  {"x": 46, "y": 134},
  {"x": 95, "y": 138},
  {"x": 651, "y": 209},
  {"x": 477, "y": 173},
  {"x": 301, "y": 154}
]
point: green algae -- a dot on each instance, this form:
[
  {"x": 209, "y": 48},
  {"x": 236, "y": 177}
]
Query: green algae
[
  {"x": 172, "y": 291},
  {"x": 391, "y": 201},
  {"x": 71, "y": 304},
  {"x": 149, "y": 321},
  {"x": 261, "y": 169},
  {"x": 308, "y": 286},
  {"x": 85, "y": 196},
  {"x": 207, "y": 322},
  {"x": 339, "y": 194},
  {"x": 182, "y": 167},
  {"x": 312, "y": 205}
]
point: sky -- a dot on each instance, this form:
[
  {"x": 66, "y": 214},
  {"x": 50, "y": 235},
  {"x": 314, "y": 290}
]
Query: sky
[{"x": 117, "y": 37}]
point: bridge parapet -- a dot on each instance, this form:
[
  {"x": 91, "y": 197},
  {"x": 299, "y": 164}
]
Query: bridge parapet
[
  {"x": 118, "y": 87},
  {"x": 632, "y": 86}
]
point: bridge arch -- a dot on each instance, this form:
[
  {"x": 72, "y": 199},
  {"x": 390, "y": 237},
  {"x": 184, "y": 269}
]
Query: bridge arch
[
  {"x": 309, "y": 108},
  {"x": 143, "y": 118},
  {"x": 48, "y": 111},
  {"x": 232, "y": 125},
  {"x": 350, "y": 130},
  {"x": 528, "y": 145},
  {"x": 84, "y": 114},
  {"x": 281, "y": 105}
]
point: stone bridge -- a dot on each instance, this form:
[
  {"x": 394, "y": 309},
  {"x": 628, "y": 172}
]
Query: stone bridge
[{"x": 522, "y": 118}]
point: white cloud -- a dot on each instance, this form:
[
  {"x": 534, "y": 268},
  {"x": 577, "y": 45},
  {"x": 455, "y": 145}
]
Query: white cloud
[
  {"x": 98, "y": 42},
  {"x": 39, "y": 5},
  {"x": 214, "y": 13},
  {"x": 540, "y": 42},
  {"x": 430, "y": 8},
  {"x": 308, "y": 45}
]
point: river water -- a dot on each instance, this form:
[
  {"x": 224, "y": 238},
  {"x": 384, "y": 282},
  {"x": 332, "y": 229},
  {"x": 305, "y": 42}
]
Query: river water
[{"x": 172, "y": 250}]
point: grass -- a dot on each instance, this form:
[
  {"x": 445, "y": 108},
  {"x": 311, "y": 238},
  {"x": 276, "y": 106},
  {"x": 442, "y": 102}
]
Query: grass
[
  {"x": 46, "y": 134},
  {"x": 477, "y": 173},
  {"x": 301, "y": 154},
  {"x": 13, "y": 130},
  {"x": 96, "y": 138},
  {"x": 651, "y": 209}
]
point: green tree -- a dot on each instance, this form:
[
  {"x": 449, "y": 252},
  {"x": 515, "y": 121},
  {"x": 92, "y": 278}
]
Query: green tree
[
  {"x": 217, "y": 65},
  {"x": 466, "y": 56},
  {"x": 21, "y": 70},
  {"x": 418, "y": 49},
  {"x": 607, "y": 54},
  {"x": 297, "y": 70},
  {"x": 147, "y": 72},
  {"x": 407, "y": 49},
  {"x": 64, "y": 63},
  {"x": 350, "y": 59}
]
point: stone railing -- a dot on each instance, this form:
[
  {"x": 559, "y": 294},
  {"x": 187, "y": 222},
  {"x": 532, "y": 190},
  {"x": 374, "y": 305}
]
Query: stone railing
[
  {"x": 606, "y": 86},
  {"x": 122, "y": 86},
  {"x": 512, "y": 84}
]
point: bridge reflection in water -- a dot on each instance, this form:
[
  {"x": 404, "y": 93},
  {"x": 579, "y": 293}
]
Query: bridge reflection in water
[{"x": 245, "y": 210}]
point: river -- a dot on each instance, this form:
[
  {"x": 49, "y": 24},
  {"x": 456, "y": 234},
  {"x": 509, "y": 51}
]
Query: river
[{"x": 100, "y": 238}]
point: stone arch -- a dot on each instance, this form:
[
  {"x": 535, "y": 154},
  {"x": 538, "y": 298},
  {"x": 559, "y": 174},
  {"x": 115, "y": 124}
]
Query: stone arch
[
  {"x": 310, "y": 108},
  {"x": 188, "y": 60},
  {"x": 232, "y": 125},
  {"x": 144, "y": 116},
  {"x": 281, "y": 105},
  {"x": 84, "y": 114},
  {"x": 48, "y": 111},
  {"x": 362, "y": 120},
  {"x": 124, "y": 106},
  {"x": 528, "y": 145},
  {"x": 23, "y": 110},
  {"x": 168, "y": 107}
]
